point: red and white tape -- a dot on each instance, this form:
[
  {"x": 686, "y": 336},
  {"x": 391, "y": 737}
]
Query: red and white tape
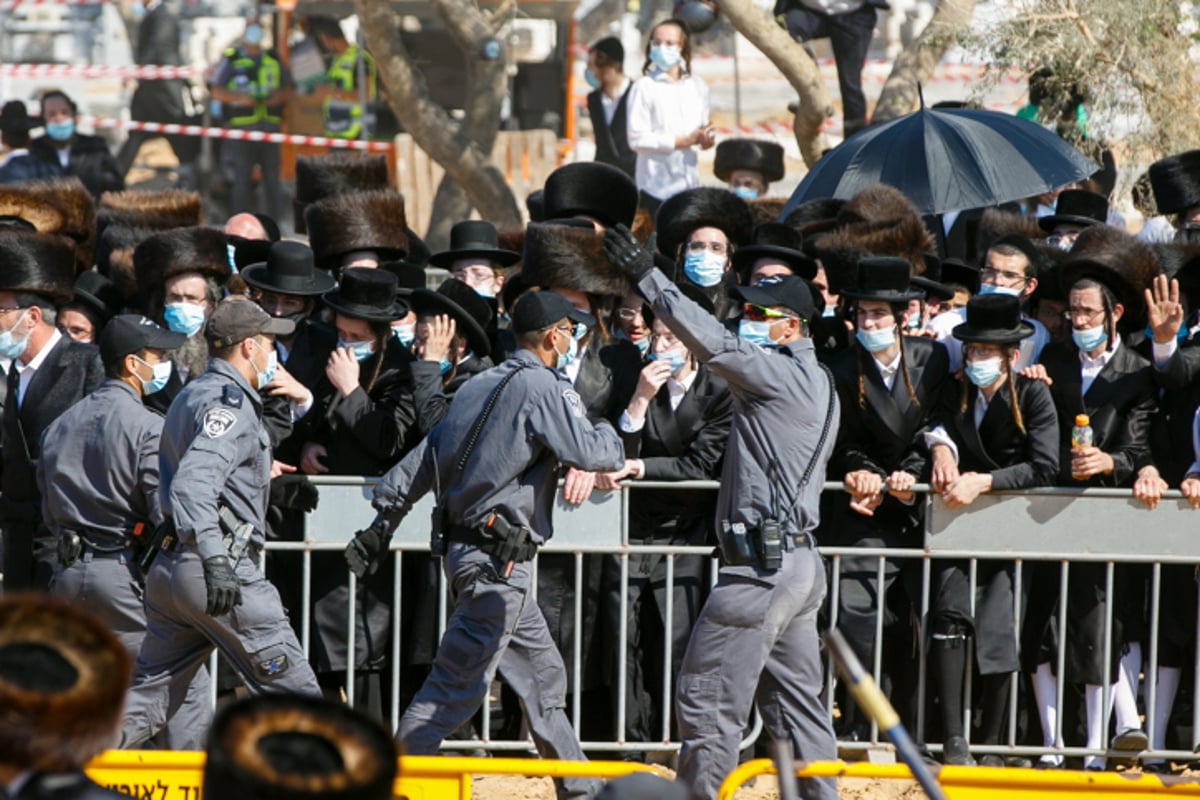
[
  {"x": 96, "y": 71},
  {"x": 236, "y": 134}
]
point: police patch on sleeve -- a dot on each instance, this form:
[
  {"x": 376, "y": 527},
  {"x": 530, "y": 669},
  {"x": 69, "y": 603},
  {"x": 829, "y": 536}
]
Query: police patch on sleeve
[
  {"x": 575, "y": 402},
  {"x": 218, "y": 422}
]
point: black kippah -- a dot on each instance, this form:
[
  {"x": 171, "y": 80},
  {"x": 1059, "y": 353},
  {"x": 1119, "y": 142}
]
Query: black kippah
[
  {"x": 36, "y": 667},
  {"x": 611, "y": 47}
]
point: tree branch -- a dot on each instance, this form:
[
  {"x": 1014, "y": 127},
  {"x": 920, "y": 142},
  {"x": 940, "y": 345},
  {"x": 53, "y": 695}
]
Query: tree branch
[{"x": 918, "y": 61}]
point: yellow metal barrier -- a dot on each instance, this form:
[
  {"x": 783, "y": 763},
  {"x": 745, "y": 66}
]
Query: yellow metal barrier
[
  {"x": 988, "y": 783},
  {"x": 156, "y": 775}
]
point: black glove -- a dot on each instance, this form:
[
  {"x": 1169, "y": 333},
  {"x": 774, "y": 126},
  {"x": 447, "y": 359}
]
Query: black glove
[
  {"x": 294, "y": 491},
  {"x": 222, "y": 584},
  {"x": 624, "y": 253},
  {"x": 364, "y": 551}
]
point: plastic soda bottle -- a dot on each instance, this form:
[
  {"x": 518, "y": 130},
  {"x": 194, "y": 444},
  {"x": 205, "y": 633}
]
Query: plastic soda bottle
[{"x": 1081, "y": 435}]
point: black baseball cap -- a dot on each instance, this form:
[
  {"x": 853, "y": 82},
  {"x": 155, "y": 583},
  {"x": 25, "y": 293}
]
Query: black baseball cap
[
  {"x": 239, "y": 319},
  {"x": 787, "y": 291},
  {"x": 133, "y": 333},
  {"x": 536, "y": 311}
]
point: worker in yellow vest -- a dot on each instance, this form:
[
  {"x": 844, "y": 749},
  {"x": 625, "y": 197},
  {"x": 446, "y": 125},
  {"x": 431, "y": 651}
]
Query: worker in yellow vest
[
  {"x": 344, "y": 113},
  {"x": 249, "y": 89}
]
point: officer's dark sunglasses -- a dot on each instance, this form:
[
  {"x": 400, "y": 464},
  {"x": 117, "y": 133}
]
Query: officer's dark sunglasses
[{"x": 759, "y": 314}]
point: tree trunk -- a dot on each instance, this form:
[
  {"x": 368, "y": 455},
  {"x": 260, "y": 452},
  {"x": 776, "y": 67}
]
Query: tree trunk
[
  {"x": 918, "y": 61},
  {"x": 801, "y": 71},
  {"x": 449, "y": 143}
]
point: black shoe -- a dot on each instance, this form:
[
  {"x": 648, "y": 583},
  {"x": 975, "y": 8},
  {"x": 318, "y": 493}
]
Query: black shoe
[
  {"x": 1018, "y": 762},
  {"x": 1157, "y": 768},
  {"x": 955, "y": 752},
  {"x": 1132, "y": 740},
  {"x": 991, "y": 761},
  {"x": 1049, "y": 762}
]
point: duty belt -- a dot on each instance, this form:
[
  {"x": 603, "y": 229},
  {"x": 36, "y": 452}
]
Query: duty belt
[
  {"x": 171, "y": 545},
  {"x": 490, "y": 544},
  {"x": 789, "y": 541}
]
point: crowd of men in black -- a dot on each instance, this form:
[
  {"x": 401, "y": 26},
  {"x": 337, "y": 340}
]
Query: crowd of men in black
[{"x": 968, "y": 373}]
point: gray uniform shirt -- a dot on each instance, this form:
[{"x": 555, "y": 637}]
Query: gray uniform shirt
[
  {"x": 780, "y": 401},
  {"x": 538, "y": 422},
  {"x": 215, "y": 451},
  {"x": 98, "y": 473}
]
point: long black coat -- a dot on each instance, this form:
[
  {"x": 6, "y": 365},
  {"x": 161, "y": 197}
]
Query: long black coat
[
  {"x": 1121, "y": 403},
  {"x": 90, "y": 161},
  {"x": 612, "y": 142},
  {"x": 1015, "y": 461},
  {"x": 884, "y": 436},
  {"x": 71, "y": 371}
]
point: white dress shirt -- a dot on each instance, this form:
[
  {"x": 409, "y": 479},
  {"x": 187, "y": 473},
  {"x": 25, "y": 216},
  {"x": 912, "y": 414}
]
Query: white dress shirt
[
  {"x": 660, "y": 110},
  {"x": 675, "y": 392},
  {"x": 609, "y": 104},
  {"x": 25, "y": 371},
  {"x": 888, "y": 371},
  {"x": 1090, "y": 367}
]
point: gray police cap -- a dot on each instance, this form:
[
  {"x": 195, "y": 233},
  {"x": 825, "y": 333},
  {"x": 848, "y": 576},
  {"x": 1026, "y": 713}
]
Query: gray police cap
[{"x": 236, "y": 319}]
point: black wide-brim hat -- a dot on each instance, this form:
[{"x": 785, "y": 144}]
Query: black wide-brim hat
[
  {"x": 885, "y": 279},
  {"x": 458, "y": 300},
  {"x": 289, "y": 269},
  {"x": 474, "y": 238},
  {"x": 1077, "y": 207},
  {"x": 993, "y": 319},
  {"x": 757, "y": 155},
  {"x": 955, "y": 270},
  {"x": 99, "y": 294},
  {"x": 1175, "y": 181},
  {"x": 1126, "y": 265},
  {"x": 291, "y": 747},
  {"x": 367, "y": 294},
  {"x": 932, "y": 289},
  {"x": 702, "y": 207},
  {"x": 778, "y": 242},
  {"x": 15, "y": 118},
  {"x": 590, "y": 189}
]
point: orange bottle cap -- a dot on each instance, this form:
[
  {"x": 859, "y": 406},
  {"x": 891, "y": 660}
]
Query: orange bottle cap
[{"x": 1082, "y": 419}]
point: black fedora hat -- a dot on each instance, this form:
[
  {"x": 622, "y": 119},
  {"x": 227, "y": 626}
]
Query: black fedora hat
[
  {"x": 1077, "y": 207},
  {"x": 14, "y": 118},
  {"x": 474, "y": 238},
  {"x": 289, "y": 269},
  {"x": 957, "y": 271},
  {"x": 887, "y": 279},
  {"x": 99, "y": 294},
  {"x": 590, "y": 189},
  {"x": 368, "y": 294},
  {"x": 932, "y": 289},
  {"x": 247, "y": 252},
  {"x": 778, "y": 242},
  {"x": 472, "y": 314},
  {"x": 993, "y": 319}
]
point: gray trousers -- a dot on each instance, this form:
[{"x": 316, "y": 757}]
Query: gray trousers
[
  {"x": 255, "y": 638},
  {"x": 495, "y": 624},
  {"x": 755, "y": 640},
  {"x": 109, "y": 588}
]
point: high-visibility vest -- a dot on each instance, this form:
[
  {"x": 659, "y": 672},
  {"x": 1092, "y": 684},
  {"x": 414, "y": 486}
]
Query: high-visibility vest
[
  {"x": 343, "y": 119},
  {"x": 256, "y": 79}
]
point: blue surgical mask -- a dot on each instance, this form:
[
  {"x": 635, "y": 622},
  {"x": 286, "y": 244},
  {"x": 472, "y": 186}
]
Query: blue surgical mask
[
  {"x": 665, "y": 56},
  {"x": 876, "y": 340},
  {"x": 404, "y": 334},
  {"x": 12, "y": 346},
  {"x": 185, "y": 318},
  {"x": 591, "y": 79},
  {"x": 704, "y": 268},
  {"x": 60, "y": 131},
  {"x": 579, "y": 331},
  {"x": 983, "y": 373},
  {"x": 829, "y": 312},
  {"x": 138, "y": 10},
  {"x": 261, "y": 379},
  {"x": 989, "y": 288},
  {"x": 758, "y": 333},
  {"x": 1089, "y": 339},
  {"x": 160, "y": 373},
  {"x": 566, "y": 359},
  {"x": 675, "y": 358},
  {"x": 360, "y": 350},
  {"x": 914, "y": 322},
  {"x": 231, "y": 256},
  {"x": 254, "y": 34},
  {"x": 746, "y": 192},
  {"x": 643, "y": 345},
  {"x": 444, "y": 365}
]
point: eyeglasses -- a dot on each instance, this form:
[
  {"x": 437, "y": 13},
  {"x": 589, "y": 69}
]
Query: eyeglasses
[
  {"x": 629, "y": 314},
  {"x": 699, "y": 247},
  {"x": 981, "y": 351},
  {"x": 1085, "y": 314},
  {"x": 13, "y": 308},
  {"x": 759, "y": 314},
  {"x": 1010, "y": 277}
]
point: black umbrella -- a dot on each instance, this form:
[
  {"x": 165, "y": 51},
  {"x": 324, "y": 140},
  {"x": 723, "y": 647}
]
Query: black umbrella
[{"x": 947, "y": 160}]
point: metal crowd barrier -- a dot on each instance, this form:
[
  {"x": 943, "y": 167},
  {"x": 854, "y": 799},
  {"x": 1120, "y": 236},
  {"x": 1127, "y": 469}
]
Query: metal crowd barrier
[{"x": 1062, "y": 526}]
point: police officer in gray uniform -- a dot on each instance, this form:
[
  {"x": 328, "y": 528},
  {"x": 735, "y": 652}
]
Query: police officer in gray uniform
[
  {"x": 756, "y": 638},
  {"x": 98, "y": 477},
  {"x": 495, "y": 486},
  {"x": 206, "y": 588}
]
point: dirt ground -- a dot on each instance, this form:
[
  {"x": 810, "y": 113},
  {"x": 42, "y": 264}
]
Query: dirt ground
[{"x": 508, "y": 787}]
